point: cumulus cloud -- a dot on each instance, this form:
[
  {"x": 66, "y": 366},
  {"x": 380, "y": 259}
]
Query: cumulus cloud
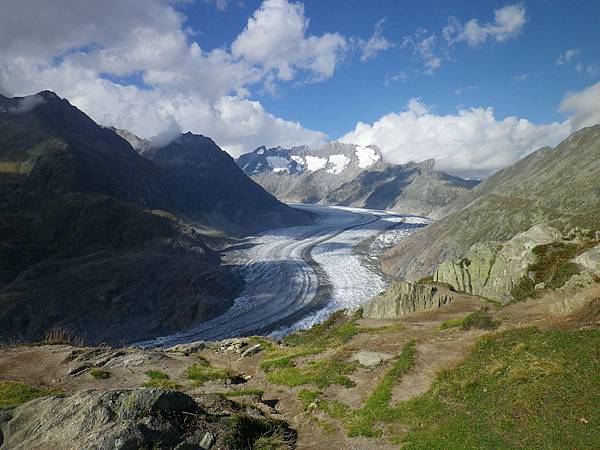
[
  {"x": 140, "y": 68},
  {"x": 472, "y": 142},
  {"x": 508, "y": 23},
  {"x": 375, "y": 44},
  {"x": 584, "y": 106},
  {"x": 435, "y": 48},
  {"x": 276, "y": 39}
]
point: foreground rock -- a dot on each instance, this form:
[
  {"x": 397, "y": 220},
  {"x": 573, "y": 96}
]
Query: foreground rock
[
  {"x": 133, "y": 419},
  {"x": 405, "y": 298}
]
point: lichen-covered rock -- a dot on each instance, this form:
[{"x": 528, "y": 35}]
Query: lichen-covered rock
[
  {"x": 405, "y": 298},
  {"x": 590, "y": 259},
  {"x": 491, "y": 269}
]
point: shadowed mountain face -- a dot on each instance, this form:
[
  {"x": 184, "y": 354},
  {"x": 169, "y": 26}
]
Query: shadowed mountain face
[
  {"x": 559, "y": 187},
  {"x": 90, "y": 232},
  {"x": 352, "y": 175}
]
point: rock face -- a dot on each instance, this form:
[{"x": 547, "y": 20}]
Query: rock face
[
  {"x": 126, "y": 419},
  {"x": 352, "y": 175},
  {"x": 492, "y": 269},
  {"x": 401, "y": 299},
  {"x": 557, "y": 187}
]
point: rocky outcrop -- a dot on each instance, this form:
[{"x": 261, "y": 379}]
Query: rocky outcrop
[
  {"x": 492, "y": 269},
  {"x": 401, "y": 299},
  {"x": 590, "y": 259},
  {"x": 133, "y": 419},
  {"x": 557, "y": 187}
]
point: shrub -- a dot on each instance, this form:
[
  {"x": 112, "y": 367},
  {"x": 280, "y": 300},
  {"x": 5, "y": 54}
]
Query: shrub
[
  {"x": 100, "y": 374},
  {"x": 479, "y": 319}
]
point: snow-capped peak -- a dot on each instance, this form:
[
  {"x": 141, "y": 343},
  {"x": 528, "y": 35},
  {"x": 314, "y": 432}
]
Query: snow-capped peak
[{"x": 367, "y": 156}]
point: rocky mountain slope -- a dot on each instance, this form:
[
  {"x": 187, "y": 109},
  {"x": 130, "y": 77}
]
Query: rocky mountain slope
[
  {"x": 209, "y": 182},
  {"x": 90, "y": 240},
  {"x": 352, "y": 175},
  {"x": 558, "y": 187}
]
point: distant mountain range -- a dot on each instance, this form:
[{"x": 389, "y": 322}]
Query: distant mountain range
[
  {"x": 559, "y": 187},
  {"x": 352, "y": 175},
  {"x": 104, "y": 241}
]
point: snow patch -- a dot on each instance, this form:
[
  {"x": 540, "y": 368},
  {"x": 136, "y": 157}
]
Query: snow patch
[
  {"x": 298, "y": 159},
  {"x": 278, "y": 163},
  {"x": 314, "y": 163},
  {"x": 260, "y": 152},
  {"x": 339, "y": 164},
  {"x": 366, "y": 156}
]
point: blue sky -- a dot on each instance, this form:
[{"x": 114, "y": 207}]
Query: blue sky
[
  {"x": 474, "y": 85},
  {"x": 358, "y": 91}
]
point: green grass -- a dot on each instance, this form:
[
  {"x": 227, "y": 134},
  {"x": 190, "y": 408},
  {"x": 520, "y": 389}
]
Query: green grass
[
  {"x": 452, "y": 323},
  {"x": 156, "y": 375},
  {"x": 307, "y": 397},
  {"x": 14, "y": 393},
  {"x": 339, "y": 329},
  {"x": 322, "y": 373},
  {"x": 362, "y": 421},
  {"x": 100, "y": 374},
  {"x": 244, "y": 391},
  {"x": 518, "y": 389},
  {"x": 479, "y": 319},
  {"x": 200, "y": 374},
  {"x": 160, "y": 380}
]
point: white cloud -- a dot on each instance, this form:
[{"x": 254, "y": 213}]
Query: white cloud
[
  {"x": 471, "y": 142},
  {"x": 521, "y": 77},
  {"x": 398, "y": 77},
  {"x": 425, "y": 46},
  {"x": 26, "y": 104},
  {"x": 584, "y": 106},
  {"x": 435, "y": 48},
  {"x": 508, "y": 23},
  {"x": 89, "y": 51},
  {"x": 567, "y": 56},
  {"x": 375, "y": 44},
  {"x": 463, "y": 89},
  {"x": 275, "y": 39}
]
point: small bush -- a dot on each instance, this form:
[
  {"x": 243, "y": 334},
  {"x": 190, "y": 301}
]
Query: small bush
[
  {"x": 524, "y": 289},
  {"x": 244, "y": 432},
  {"x": 479, "y": 319},
  {"x": 100, "y": 374}
]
